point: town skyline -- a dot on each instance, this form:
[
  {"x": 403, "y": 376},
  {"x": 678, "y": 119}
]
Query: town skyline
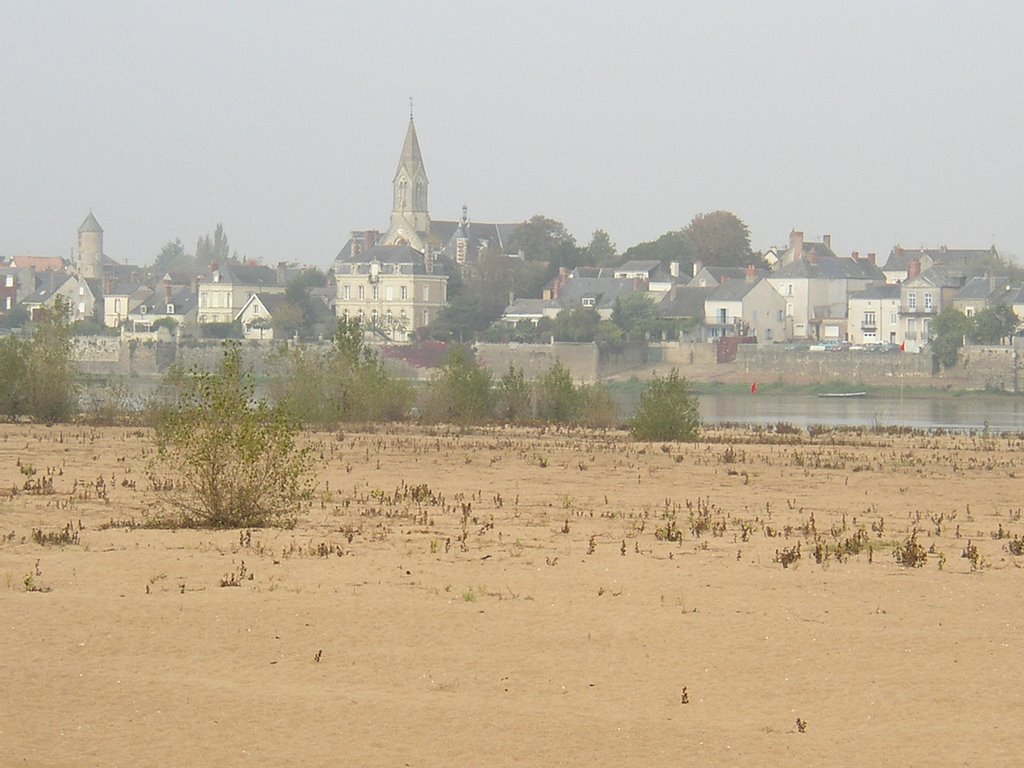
[{"x": 886, "y": 140}]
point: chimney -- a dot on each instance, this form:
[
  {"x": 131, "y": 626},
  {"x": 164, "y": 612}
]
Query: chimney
[
  {"x": 913, "y": 269},
  {"x": 751, "y": 273},
  {"x": 195, "y": 285},
  {"x": 871, "y": 259},
  {"x": 673, "y": 268},
  {"x": 827, "y": 240},
  {"x": 428, "y": 259},
  {"x": 796, "y": 243},
  {"x": 855, "y": 256},
  {"x": 167, "y": 293},
  {"x": 698, "y": 265}
]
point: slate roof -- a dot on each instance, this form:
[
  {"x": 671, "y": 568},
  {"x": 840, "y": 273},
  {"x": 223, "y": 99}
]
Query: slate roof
[
  {"x": 248, "y": 274},
  {"x": 638, "y": 265},
  {"x": 878, "y": 292},
  {"x": 982, "y": 288},
  {"x": 528, "y": 307},
  {"x": 939, "y": 277},
  {"x": 684, "y": 302},
  {"x": 732, "y": 290},
  {"x": 603, "y": 290},
  {"x": 831, "y": 268},
  {"x": 900, "y": 258},
  {"x": 90, "y": 224},
  {"x": 496, "y": 235}
]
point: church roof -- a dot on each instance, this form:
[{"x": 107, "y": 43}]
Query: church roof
[
  {"x": 90, "y": 224},
  {"x": 412, "y": 158}
]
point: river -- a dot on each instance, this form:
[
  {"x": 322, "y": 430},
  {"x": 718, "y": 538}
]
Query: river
[{"x": 963, "y": 413}]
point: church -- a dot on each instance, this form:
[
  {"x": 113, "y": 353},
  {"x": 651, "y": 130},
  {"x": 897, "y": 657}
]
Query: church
[{"x": 396, "y": 282}]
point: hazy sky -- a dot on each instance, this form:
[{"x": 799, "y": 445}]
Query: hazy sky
[{"x": 878, "y": 122}]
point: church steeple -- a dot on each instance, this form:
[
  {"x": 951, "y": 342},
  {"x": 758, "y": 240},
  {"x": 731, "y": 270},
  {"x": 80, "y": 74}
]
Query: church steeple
[{"x": 410, "y": 220}]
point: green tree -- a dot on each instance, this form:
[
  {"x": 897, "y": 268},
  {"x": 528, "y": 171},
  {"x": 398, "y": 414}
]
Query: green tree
[
  {"x": 668, "y": 411},
  {"x": 557, "y": 397},
  {"x": 601, "y": 251},
  {"x": 215, "y": 248},
  {"x": 461, "y": 319},
  {"x": 948, "y": 331},
  {"x": 461, "y": 392},
  {"x": 672, "y": 246},
  {"x": 173, "y": 258},
  {"x": 542, "y": 239},
  {"x": 50, "y": 372},
  {"x": 579, "y": 324},
  {"x": 512, "y": 396},
  {"x": 993, "y": 325},
  {"x": 13, "y": 381},
  {"x": 227, "y": 460},
  {"x": 637, "y": 316},
  {"x": 721, "y": 239}
]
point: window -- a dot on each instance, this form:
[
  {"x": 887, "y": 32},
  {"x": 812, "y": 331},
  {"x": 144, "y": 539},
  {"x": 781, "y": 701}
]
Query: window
[
  {"x": 969, "y": 312},
  {"x": 912, "y": 301},
  {"x": 892, "y": 318},
  {"x": 869, "y": 319},
  {"x": 170, "y": 309},
  {"x": 781, "y": 315},
  {"x": 389, "y": 293},
  {"x": 143, "y": 309},
  {"x": 589, "y": 301},
  {"x": 426, "y": 317},
  {"x": 768, "y": 334},
  {"x": 375, "y": 290},
  {"x": 255, "y": 308},
  {"x": 789, "y": 310},
  {"x": 8, "y": 302},
  {"x": 9, "y": 281},
  {"x": 426, "y": 297},
  {"x": 405, "y": 292},
  {"x": 346, "y": 292},
  {"x": 927, "y": 301},
  {"x": 359, "y": 315},
  {"x": 789, "y": 289},
  {"x": 362, "y": 292},
  {"x": 117, "y": 306}
]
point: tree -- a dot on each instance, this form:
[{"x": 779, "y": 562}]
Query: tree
[
  {"x": 172, "y": 257},
  {"x": 544, "y": 239},
  {"x": 460, "y": 319},
  {"x": 948, "y": 331},
  {"x": 557, "y": 397},
  {"x": 671, "y": 246},
  {"x": 993, "y": 325},
  {"x": 601, "y": 251},
  {"x": 637, "y": 316},
  {"x": 512, "y": 396},
  {"x": 720, "y": 239},
  {"x": 214, "y": 249},
  {"x": 226, "y": 460},
  {"x": 50, "y": 372},
  {"x": 13, "y": 382},
  {"x": 461, "y": 392},
  {"x": 579, "y": 324},
  {"x": 668, "y": 411}
]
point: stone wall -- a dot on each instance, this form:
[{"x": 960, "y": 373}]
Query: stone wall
[
  {"x": 996, "y": 368},
  {"x": 775, "y": 364}
]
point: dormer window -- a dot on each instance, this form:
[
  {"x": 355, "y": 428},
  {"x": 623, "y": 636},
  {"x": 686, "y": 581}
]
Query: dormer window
[
  {"x": 143, "y": 309},
  {"x": 589, "y": 301},
  {"x": 170, "y": 309}
]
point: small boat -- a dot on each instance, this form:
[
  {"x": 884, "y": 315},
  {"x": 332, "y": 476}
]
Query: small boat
[{"x": 842, "y": 394}]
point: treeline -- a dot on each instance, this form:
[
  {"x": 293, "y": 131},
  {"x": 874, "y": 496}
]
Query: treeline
[{"x": 342, "y": 383}]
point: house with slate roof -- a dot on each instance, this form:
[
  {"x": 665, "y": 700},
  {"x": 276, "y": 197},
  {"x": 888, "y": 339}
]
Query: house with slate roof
[
  {"x": 982, "y": 292},
  {"x": 749, "y": 307},
  {"x": 817, "y": 288},
  {"x": 922, "y": 297},
  {"x": 901, "y": 261},
  {"x": 684, "y": 308},
  {"x": 874, "y": 315},
  {"x": 229, "y": 288},
  {"x": 392, "y": 289},
  {"x": 712, "y": 277}
]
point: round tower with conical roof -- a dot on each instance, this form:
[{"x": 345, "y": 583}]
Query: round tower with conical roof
[{"x": 90, "y": 248}]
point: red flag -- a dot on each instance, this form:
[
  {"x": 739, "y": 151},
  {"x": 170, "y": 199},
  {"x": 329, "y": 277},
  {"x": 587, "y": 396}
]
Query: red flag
[
  {"x": 753, "y": 388},
  {"x": 903, "y": 347}
]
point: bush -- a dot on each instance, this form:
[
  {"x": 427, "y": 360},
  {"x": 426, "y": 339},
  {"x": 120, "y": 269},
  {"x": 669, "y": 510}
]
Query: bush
[
  {"x": 557, "y": 397},
  {"x": 512, "y": 397},
  {"x": 460, "y": 393},
  {"x": 343, "y": 383},
  {"x": 225, "y": 460},
  {"x": 667, "y": 411},
  {"x": 37, "y": 376}
]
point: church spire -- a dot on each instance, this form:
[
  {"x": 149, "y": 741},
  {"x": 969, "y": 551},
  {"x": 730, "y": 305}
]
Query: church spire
[
  {"x": 411, "y": 160},
  {"x": 410, "y": 220}
]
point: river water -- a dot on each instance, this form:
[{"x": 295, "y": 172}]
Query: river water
[{"x": 964, "y": 413}]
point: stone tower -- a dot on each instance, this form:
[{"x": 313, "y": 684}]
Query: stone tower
[
  {"x": 410, "y": 221},
  {"x": 90, "y": 248}
]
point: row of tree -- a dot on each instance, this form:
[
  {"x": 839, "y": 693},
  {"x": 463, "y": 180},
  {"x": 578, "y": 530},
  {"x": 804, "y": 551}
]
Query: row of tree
[{"x": 952, "y": 328}]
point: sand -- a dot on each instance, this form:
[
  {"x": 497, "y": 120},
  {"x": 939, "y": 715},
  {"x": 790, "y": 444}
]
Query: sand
[{"x": 543, "y": 623}]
